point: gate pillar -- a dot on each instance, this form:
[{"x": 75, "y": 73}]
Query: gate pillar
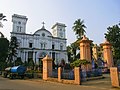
[{"x": 47, "y": 67}]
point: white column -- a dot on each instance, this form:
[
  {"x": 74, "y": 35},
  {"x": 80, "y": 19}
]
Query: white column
[
  {"x": 34, "y": 56},
  {"x": 26, "y": 56},
  {"x": 56, "y": 58},
  {"x": 51, "y": 54},
  {"x": 21, "y": 55}
]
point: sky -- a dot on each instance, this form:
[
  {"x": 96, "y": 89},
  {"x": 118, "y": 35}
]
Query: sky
[{"x": 97, "y": 15}]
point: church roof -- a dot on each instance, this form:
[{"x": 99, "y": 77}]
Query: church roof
[{"x": 43, "y": 29}]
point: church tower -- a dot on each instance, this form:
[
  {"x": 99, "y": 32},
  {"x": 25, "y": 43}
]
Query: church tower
[
  {"x": 19, "y": 23},
  {"x": 58, "y": 30}
]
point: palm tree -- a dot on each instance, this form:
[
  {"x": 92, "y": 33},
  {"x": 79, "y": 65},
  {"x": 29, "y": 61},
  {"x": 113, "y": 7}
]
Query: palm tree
[
  {"x": 2, "y": 18},
  {"x": 79, "y": 28}
]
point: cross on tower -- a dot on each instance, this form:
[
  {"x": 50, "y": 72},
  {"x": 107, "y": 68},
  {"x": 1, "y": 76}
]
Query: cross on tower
[{"x": 43, "y": 23}]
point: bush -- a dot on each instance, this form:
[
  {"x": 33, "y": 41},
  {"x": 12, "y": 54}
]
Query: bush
[{"x": 79, "y": 62}]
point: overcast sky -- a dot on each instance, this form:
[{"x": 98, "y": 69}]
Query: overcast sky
[{"x": 97, "y": 15}]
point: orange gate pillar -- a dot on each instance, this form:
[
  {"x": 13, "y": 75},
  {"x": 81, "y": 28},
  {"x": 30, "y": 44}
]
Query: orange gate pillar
[
  {"x": 47, "y": 67},
  {"x": 107, "y": 53},
  {"x": 85, "y": 52}
]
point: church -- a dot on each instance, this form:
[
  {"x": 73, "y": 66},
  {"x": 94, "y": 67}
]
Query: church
[{"x": 41, "y": 43}]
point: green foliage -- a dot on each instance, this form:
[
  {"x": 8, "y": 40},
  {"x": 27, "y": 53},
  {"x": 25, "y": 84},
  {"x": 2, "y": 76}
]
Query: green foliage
[
  {"x": 18, "y": 61},
  {"x": 79, "y": 62},
  {"x": 31, "y": 63},
  {"x": 13, "y": 46},
  {"x": 2, "y": 36},
  {"x": 71, "y": 51},
  {"x": 25, "y": 64},
  {"x": 4, "y": 44},
  {"x": 113, "y": 36},
  {"x": 2, "y": 18},
  {"x": 3, "y": 65},
  {"x": 79, "y": 28}
]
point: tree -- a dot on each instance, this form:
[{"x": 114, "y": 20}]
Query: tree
[
  {"x": 4, "y": 44},
  {"x": 69, "y": 53},
  {"x": 30, "y": 63},
  {"x": 18, "y": 61},
  {"x": 2, "y": 18},
  {"x": 74, "y": 48},
  {"x": 113, "y": 36},
  {"x": 79, "y": 28},
  {"x": 13, "y": 46}
]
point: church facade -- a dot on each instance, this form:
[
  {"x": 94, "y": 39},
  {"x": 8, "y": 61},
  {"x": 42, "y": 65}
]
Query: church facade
[{"x": 41, "y": 43}]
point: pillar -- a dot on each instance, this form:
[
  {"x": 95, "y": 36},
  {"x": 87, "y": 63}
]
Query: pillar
[
  {"x": 59, "y": 74},
  {"x": 114, "y": 74},
  {"x": 47, "y": 67},
  {"x": 107, "y": 53},
  {"x": 77, "y": 75},
  {"x": 85, "y": 52}
]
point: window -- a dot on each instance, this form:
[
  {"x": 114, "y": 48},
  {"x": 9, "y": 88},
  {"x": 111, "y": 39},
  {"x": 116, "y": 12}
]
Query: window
[
  {"x": 30, "y": 45},
  {"x": 43, "y": 34},
  {"x": 53, "y": 46},
  {"x": 17, "y": 28},
  {"x": 60, "y": 29},
  {"x": 61, "y": 46},
  {"x": 19, "y": 22},
  {"x": 61, "y": 34},
  {"x": 41, "y": 45},
  {"x": 20, "y": 28},
  {"x": 44, "y": 45}
]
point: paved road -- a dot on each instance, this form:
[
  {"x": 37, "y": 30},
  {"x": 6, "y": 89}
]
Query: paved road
[{"x": 7, "y": 84}]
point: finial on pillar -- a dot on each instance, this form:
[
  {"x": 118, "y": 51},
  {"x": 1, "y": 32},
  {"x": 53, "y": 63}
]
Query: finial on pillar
[
  {"x": 84, "y": 38},
  {"x": 47, "y": 57},
  {"x": 106, "y": 41}
]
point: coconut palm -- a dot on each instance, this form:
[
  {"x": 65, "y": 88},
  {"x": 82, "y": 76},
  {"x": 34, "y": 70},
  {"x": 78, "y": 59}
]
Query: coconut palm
[
  {"x": 79, "y": 28},
  {"x": 2, "y": 18}
]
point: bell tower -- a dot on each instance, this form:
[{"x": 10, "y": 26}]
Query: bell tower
[
  {"x": 19, "y": 23},
  {"x": 58, "y": 30}
]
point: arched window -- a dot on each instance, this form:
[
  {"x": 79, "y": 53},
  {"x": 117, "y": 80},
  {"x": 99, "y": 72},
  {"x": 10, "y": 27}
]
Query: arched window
[
  {"x": 43, "y": 45},
  {"x": 30, "y": 43},
  {"x": 61, "y": 46},
  {"x": 53, "y": 45}
]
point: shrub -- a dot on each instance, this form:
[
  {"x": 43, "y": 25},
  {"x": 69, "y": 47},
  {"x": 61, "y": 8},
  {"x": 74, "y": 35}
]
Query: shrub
[{"x": 78, "y": 63}]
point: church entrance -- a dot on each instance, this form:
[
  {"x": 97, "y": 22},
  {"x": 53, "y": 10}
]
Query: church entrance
[
  {"x": 53, "y": 57},
  {"x": 30, "y": 54},
  {"x": 40, "y": 63}
]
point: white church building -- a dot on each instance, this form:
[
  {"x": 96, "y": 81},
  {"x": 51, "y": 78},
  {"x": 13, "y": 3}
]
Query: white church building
[{"x": 41, "y": 43}]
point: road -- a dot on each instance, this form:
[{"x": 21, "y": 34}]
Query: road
[{"x": 7, "y": 84}]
